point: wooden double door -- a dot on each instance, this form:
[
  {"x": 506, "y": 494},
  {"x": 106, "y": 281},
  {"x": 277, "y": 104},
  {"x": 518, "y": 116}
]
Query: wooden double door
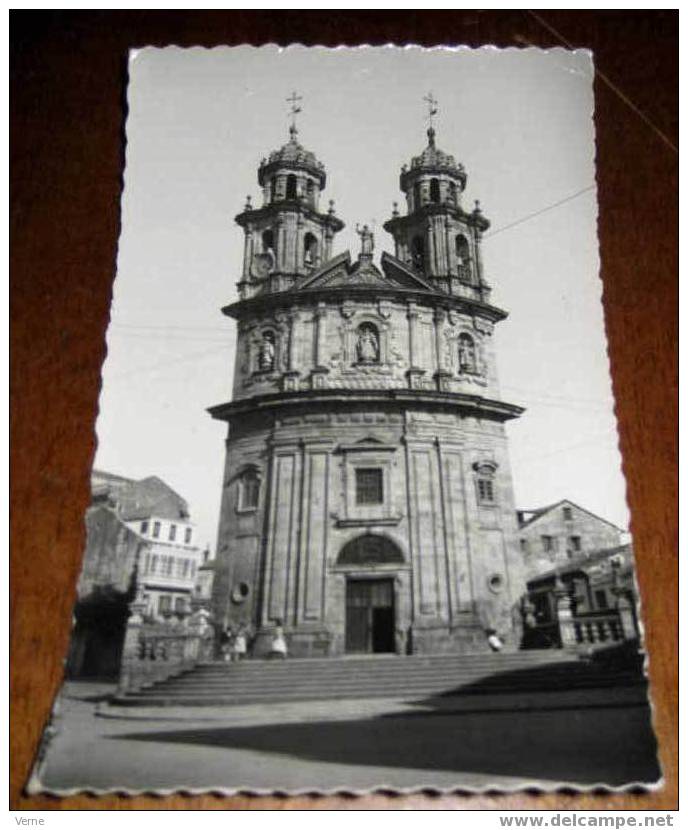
[{"x": 370, "y": 616}]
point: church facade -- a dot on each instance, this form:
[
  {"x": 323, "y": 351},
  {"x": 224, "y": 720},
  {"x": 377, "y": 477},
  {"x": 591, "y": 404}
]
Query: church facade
[{"x": 367, "y": 500}]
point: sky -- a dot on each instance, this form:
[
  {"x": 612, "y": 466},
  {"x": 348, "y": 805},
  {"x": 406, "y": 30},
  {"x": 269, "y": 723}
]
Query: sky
[{"x": 199, "y": 122}]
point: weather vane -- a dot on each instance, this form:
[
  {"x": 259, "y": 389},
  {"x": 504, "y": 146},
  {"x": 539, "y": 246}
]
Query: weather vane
[
  {"x": 432, "y": 107},
  {"x": 294, "y": 111}
]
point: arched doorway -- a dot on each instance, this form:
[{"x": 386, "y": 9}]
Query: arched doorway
[{"x": 370, "y": 606}]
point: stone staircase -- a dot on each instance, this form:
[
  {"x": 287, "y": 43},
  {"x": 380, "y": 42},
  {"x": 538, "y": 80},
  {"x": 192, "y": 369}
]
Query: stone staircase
[{"x": 383, "y": 676}]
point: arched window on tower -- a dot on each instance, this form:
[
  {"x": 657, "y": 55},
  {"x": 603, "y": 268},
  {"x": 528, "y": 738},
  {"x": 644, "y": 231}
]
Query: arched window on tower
[
  {"x": 434, "y": 190},
  {"x": 452, "y": 194},
  {"x": 268, "y": 241},
  {"x": 462, "y": 256},
  {"x": 310, "y": 193},
  {"x": 467, "y": 357},
  {"x": 291, "y": 186},
  {"x": 418, "y": 253},
  {"x": 310, "y": 250},
  {"x": 367, "y": 344},
  {"x": 416, "y": 196},
  {"x": 273, "y": 188}
]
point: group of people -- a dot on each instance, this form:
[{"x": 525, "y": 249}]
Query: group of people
[{"x": 234, "y": 642}]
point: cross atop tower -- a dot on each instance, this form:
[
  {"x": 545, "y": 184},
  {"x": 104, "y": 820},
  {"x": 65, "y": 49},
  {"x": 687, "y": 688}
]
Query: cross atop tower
[
  {"x": 294, "y": 110},
  {"x": 432, "y": 108}
]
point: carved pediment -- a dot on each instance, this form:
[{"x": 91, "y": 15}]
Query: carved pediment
[{"x": 340, "y": 272}]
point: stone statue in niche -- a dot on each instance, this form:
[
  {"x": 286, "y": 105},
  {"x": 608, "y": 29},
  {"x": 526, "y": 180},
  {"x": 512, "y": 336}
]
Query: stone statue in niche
[
  {"x": 367, "y": 345},
  {"x": 266, "y": 352},
  {"x": 467, "y": 356}
]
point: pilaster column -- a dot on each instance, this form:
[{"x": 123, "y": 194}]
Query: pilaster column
[
  {"x": 299, "y": 256},
  {"x": 477, "y": 236},
  {"x": 328, "y": 243},
  {"x": 248, "y": 251},
  {"x": 280, "y": 254},
  {"x": 451, "y": 254},
  {"x": 442, "y": 375},
  {"x": 430, "y": 256},
  {"x": 414, "y": 372}
]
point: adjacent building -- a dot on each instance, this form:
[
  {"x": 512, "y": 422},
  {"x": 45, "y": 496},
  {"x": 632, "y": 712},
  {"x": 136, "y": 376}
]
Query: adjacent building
[
  {"x": 139, "y": 540},
  {"x": 597, "y": 585},
  {"x": 367, "y": 501},
  {"x": 558, "y": 533}
]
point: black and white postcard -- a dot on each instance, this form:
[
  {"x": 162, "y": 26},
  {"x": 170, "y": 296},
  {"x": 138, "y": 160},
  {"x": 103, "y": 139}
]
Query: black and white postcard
[{"x": 358, "y": 519}]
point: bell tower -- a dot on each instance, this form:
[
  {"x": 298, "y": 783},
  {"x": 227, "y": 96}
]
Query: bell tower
[
  {"x": 437, "y": 237},
  {"x": 288, "y": 236}
]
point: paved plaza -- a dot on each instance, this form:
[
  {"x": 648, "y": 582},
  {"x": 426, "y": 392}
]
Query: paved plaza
[{"x": 498, "y": 741}]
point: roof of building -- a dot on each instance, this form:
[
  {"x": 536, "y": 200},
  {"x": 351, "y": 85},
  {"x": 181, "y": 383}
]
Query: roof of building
[
  {"x": 292, "y": 154},
  {"x": 149, "y": 496},
  {"x": 539, "y": 512},
  {"x": 433, "y": 160},
  {"x": 585, "y": 561}
]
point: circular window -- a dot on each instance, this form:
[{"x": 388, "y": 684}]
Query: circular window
[
  {"x": 240, "y": 592},
  {"x": 496, "y": 583}
]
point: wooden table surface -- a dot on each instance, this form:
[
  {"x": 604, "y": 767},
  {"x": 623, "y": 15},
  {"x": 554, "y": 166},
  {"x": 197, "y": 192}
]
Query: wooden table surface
[{"x": 68, "y": 77}]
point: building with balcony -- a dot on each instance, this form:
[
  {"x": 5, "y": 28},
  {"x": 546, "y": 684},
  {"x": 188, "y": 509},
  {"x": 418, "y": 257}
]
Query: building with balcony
[{"x": 139, "y": 542}]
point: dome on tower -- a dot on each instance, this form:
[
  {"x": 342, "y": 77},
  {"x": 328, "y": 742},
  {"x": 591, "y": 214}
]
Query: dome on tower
[
  {"x": 294, "y": 156},
  {"x": 432, "y": 161}
]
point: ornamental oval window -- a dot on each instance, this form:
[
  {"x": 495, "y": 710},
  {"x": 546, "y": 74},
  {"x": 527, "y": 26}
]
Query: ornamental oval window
[
  {"x": 240, "y": 592},
  {"x": 370, "y": 549}
]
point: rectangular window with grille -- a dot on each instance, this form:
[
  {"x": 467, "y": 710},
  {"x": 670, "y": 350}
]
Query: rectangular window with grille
[
  {"x": 486, "y": 490},
  {"x": 369, "y": 485}
]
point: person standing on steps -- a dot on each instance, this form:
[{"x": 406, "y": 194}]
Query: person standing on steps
[
  {"x": 226, "y": 642},
  {"x": 494, "y": 640},
  {"x": 239, "y": 646},
  {"x": 278, "y": 648}
]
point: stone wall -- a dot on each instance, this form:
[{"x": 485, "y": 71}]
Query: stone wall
[
  {"x": 594, "y": 534},
  {"x": 316, "y": 347},
  {"x": 459, "y": 571}
]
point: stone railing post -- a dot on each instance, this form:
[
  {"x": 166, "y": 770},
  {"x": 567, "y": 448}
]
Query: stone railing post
[
  {"x": 626, "y": 617},
  {"x": 128, "y": 676},
  {"x": 567, "y": 631}
]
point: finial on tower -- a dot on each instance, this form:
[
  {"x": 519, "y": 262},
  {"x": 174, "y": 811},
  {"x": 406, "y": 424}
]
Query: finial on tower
[
  {"x": 294, "y": 110},
  {"x": 432, "y": 112}
]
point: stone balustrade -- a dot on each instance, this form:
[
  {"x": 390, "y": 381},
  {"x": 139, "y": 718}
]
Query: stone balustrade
[
  {"x": 155, "y": 652},
  {"x": 598, "y": 627}
]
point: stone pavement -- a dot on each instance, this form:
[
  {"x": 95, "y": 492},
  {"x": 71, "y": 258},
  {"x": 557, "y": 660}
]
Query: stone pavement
[{"x": 498, "y": 741}]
